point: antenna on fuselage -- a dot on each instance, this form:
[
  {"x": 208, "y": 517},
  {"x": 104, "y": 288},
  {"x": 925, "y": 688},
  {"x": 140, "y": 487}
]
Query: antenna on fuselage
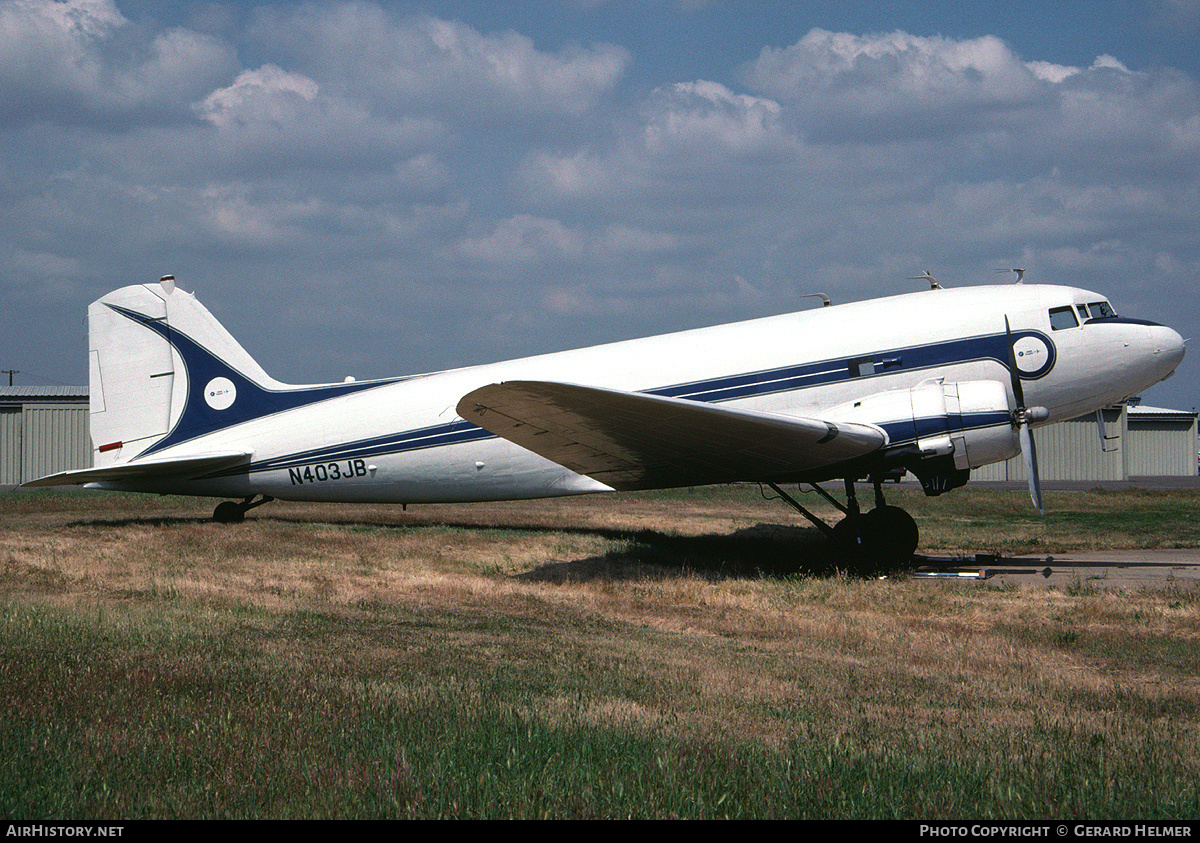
[
  {"x": 1020, "y": 274},
  {"x": 825, "y": 300},
  {"x": 933, "y": 282}
]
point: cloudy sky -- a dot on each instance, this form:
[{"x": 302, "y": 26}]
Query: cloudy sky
[{"x": 369, "y": 189}]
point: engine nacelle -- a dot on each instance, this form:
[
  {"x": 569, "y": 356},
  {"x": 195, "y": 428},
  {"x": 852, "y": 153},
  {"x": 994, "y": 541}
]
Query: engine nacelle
[{"x": 962, "y": 425}]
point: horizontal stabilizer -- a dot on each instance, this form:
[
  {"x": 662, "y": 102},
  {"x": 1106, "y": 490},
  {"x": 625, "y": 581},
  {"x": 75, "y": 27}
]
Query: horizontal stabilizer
[
  {"x": 637, "y": 441},
  {"x": 179, "y": 468}
]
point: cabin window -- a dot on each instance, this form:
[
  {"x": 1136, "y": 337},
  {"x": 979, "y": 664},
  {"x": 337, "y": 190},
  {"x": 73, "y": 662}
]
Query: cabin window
[
  {"x": 1062, "y": 318},
  {"x": 1101, "y": 310}
]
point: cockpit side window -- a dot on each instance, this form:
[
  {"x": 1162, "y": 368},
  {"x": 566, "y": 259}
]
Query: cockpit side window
[
  {"x": 1062, "y": 318},
  {"x": 1101, "y": 310}
]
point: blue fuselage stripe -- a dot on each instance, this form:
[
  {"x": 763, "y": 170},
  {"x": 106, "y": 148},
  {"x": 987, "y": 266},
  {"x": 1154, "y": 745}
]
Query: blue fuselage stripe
[
  {"x": 714, "y": 390},
  {"x": 415, "y": 440}
]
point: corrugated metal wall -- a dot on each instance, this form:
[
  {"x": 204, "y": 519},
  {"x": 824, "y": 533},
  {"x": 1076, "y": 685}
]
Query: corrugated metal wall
[
  {"x": 37, "y": 439},
  {"x": 1162, "y": 447},
  {"x": 54, "y": 438},
  {"x": 1070, "y": 450},
  {"x": 1149, "y": 445},
  {"x": 10, "y": 446}
]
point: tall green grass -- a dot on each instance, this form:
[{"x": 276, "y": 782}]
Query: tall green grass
[
  {"x": 178, "y": 709},
  {"x": 518, "y": 661}
]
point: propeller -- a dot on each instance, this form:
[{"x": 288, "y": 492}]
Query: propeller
[{"x": 1022, "y": 416}]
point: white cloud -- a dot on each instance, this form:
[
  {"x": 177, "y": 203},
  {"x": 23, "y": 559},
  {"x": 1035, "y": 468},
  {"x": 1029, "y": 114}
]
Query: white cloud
[
  {"x": 1109, "y": 62},
  {"x": 883, "y": 84},
  {"x": 710, "y": 116},
  {"x": 1049, "y": 72},
  {"x": 424, "y": 63},
  {"x": 280, "y": 124},
  {"x": 973, "y": 104},
  {"x": 524, "y": 239},
  {"x": 61, "y": 20},
  {"x": 508, "y": 63},
  {"x": 551, "y": 176},
  {"x": 268, "y": 94},
  {"x": 79, "y": 61},
  {"x": 232, "y": 214},
  {"x": 931, "y": 152}
]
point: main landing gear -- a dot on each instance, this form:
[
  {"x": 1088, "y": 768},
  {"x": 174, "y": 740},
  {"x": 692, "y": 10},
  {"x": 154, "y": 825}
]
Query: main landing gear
[
  {"x": 882, "y": 539},
  {"x": 234, "y": 512}
]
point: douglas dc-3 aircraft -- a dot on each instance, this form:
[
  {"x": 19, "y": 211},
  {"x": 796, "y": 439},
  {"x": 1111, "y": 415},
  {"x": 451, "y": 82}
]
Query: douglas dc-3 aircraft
[{"x": 936, "y": 382}]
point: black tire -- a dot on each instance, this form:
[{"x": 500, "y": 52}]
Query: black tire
[
  {"x": 852, "y": 555},
  {"x": 890, "y": 537},
  {"x": 229, "y": 512}
]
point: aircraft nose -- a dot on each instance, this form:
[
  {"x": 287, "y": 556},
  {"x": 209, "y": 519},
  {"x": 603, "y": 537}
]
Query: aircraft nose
[
  {"x": 1168, "y": 348},
  {"x": 1137, "y": 354}
]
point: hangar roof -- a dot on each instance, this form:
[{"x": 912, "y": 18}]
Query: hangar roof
[{"x": 30, "y": 394}]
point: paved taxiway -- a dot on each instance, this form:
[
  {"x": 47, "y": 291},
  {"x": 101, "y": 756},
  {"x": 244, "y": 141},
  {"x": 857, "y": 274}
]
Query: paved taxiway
[
  {"x": 1126, "y": 569},
  {"x": 1116, "y": 569}
]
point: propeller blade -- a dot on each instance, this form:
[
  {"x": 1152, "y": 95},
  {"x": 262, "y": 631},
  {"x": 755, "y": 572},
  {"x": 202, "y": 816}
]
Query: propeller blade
[
  {"x": 1021, "y": 418},
  {"x": 1029, "y": 452},
  {"x": 1014, "y": 374}
]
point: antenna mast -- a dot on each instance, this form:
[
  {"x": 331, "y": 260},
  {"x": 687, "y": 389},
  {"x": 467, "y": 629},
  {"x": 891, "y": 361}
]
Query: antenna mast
[{"x": 933, "y": 282}]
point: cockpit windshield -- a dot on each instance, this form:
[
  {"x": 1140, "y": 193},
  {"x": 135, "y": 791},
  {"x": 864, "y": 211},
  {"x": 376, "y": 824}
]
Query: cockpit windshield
[{"x": 1063, "y": 318}]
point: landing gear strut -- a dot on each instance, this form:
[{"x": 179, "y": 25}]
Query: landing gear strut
[
  {"x": 234, "y": 512},
  {"x": 882, "y": 539}
]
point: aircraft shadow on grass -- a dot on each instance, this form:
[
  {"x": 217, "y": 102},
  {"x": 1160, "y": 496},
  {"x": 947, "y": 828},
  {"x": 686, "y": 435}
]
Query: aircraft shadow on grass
[{"x": 763, "y": 550}]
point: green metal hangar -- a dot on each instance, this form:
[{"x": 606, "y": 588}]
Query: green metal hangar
[
  {"x": 44, "y": 429},
  {"x": 1131, "y": 441}
]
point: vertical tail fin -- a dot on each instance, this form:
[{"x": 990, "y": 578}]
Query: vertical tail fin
[
  {"x": 164, "y": 372},
  {"x": 161, "y": 369}
]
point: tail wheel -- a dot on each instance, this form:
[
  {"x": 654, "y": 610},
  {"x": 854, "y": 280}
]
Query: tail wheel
[{"x": 229, "y": 512}]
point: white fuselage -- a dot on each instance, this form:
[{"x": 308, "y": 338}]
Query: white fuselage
[{"x": 403, "y": 442}]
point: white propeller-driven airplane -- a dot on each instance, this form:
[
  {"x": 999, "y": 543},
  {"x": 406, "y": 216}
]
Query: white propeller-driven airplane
[{"x": 936, "y": 382}]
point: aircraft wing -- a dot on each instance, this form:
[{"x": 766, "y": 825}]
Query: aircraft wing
[
  {"x": 630, "y": 440},
  {"x": 181, "y": 468}
]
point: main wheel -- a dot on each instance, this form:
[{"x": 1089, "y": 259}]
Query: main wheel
[
  {"x": 889, "y": 535},
  {"x": 853, "y": 557}
]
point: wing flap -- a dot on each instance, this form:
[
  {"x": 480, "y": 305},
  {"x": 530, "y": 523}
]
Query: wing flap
[
  {"x": 638, "y": 441},
  {"x": 155, "y": 469}
]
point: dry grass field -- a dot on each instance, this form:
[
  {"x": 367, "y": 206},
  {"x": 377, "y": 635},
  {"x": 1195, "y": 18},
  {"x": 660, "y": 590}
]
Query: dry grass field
[{"x": 692, "y": 654}]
